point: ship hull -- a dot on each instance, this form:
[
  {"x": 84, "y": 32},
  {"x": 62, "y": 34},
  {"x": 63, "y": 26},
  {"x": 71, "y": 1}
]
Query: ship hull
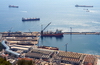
[
  {"x": 30, "y": 19},
  {"x": 13, "y": 6},
  {"x": 82, "y": 6},
  {"x": 52, "y": 35}
]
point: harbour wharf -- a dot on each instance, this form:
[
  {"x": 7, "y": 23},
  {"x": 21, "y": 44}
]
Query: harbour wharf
[
  {"x": 26, "y": 46},
  {"x": 22, "y": 38},
  {"x": 20, "y": 34}
]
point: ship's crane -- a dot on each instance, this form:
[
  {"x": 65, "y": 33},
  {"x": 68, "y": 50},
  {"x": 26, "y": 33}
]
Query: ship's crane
[
  {"x": 45, "y": 28},
  {"x": 42, "y": 32}
]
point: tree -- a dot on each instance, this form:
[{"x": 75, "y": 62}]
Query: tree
[
  {"x": 25, "y": 62},
  {"x": 4, "y": 62},
  {"x": 1, "y": 47}
]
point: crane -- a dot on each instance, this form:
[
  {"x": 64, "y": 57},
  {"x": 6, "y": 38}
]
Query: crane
[
  {"x": 42, "y": 32},
  {"x": 9, "y": 31},
  {"x": 45, "y": 28}
]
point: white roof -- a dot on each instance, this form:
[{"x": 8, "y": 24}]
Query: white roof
[
  {"x": 20, "y": 45},
  {"x": 20, "y": 48}
]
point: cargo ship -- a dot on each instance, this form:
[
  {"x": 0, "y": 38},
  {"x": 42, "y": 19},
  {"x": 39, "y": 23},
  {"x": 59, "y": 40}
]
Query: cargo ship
[
  {"x": 13, "y": 6},
  {"x": 58, "y": 33},
  {"x": 82, "y": 6},
  {"x": 30, "y": 19}
]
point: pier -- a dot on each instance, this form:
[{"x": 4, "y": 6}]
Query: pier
[{"x": 24, "y": 44}]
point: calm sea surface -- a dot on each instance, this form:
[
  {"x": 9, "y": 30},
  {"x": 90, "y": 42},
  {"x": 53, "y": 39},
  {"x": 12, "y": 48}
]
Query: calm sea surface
[{"x": 63, "y": 14}]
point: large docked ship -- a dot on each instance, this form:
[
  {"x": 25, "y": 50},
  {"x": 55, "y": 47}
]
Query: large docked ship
[
  {"x": 30, "y": 19},
  {"x": 58, "y": 33},
  {"x": 82, "y": 6}
]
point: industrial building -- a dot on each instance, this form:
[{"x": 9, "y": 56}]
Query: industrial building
[
  {"x": 62, "y": 57},
  {"x": 26, "y": 46}
]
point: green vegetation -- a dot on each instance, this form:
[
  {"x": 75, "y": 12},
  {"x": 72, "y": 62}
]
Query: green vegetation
[
  {"x": 1, "y": 47},
  {"x": 4, "y": 62},
  {"x": 25, "y": 62}
]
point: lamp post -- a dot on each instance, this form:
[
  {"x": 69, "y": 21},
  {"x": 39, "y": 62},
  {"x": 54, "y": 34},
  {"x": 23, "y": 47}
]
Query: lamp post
[
  {"x": 70, "y": 30},
  {"x": 66, "y": 47}
]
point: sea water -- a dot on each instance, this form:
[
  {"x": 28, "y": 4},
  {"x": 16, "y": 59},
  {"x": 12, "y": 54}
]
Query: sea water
[
  {"x": 89, "y": 44},
  {"x": 62, "y": 14}
]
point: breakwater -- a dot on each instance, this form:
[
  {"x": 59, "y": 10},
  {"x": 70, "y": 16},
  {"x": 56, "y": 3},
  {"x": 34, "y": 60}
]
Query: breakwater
[{"x": 84, "y": 33}]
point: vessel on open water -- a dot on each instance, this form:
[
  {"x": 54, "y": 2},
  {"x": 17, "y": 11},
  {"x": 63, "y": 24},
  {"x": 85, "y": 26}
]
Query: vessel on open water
[
  {"x": 83, "y": 6},
  {"x": 30, "y": 19},
  {"x": 13, "y": 6}
]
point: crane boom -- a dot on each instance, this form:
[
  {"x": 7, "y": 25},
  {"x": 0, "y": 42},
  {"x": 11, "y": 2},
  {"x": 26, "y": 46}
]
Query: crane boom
[{"x": 45, "y": 28}]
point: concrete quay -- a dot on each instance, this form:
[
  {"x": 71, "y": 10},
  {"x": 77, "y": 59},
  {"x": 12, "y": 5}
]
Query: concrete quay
[
  {"x": 20, "y": 34},
  {"x": 21, "y": 38}
]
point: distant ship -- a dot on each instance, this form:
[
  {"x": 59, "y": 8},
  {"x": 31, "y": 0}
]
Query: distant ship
[
  {"x": 30, "y": 19},
  {"x": 82, "y": 6},
  {"x": 87, "y": 11},
  {"x": 58, "y": 33},
  {"x": 13, "y": 6}
]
